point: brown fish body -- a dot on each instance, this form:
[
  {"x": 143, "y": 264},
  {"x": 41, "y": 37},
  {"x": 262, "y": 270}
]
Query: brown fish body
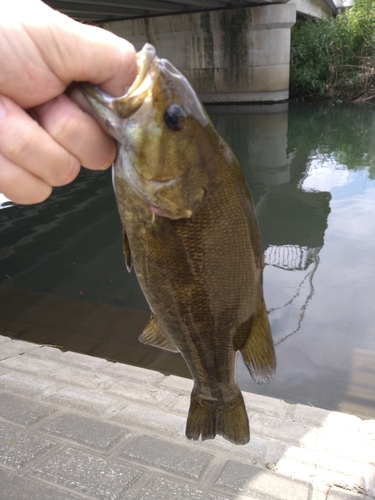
[{"x": 191, "y": 234}]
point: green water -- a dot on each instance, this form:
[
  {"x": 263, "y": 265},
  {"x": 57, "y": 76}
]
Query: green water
[{"x": 311, "y": 170}]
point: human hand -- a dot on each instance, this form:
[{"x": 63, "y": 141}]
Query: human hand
[{"x": 45, "y": 134}]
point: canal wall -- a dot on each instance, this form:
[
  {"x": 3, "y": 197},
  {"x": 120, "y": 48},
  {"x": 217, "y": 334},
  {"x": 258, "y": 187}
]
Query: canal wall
[
  {"x": 74, "y": 425},
  {"x": 235, "y": 55}
]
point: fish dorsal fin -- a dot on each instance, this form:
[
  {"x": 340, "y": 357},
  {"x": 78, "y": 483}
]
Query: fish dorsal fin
[
  {"x": 258, "y": 352},
  {"x": 127, "y": 254},
  {"x": 154, "y": 335}
]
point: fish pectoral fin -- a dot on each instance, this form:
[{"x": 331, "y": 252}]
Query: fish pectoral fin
[
  {"x": 258, "y": 351},
  {"x": 127, "y": 254},
  {"x": 155, "y": 336}
]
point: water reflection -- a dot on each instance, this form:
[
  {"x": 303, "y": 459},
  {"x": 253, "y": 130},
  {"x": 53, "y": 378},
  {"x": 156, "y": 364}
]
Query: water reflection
[
  {"x": 316, "y": 207},
  {"x": 292, "y": 219},
  {"x": 311, "y": 170}
]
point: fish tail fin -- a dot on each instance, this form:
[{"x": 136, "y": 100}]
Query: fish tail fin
[
  {"x": 201, "y": 419},
  {"x": 207, "y": 418},
  {"x": 232, "y": 422}
]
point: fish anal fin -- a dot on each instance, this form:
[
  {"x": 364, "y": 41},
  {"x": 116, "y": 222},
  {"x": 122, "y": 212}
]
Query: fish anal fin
[
  {"x": 258, "y": 351},
  {"x": 127, "y": 254},
  {"x": 207, "y": 419},
  {"x": 155, "y": 336}
]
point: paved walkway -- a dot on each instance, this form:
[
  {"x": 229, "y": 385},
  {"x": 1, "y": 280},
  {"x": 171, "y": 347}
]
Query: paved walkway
[{"x": 77, "y": 427}]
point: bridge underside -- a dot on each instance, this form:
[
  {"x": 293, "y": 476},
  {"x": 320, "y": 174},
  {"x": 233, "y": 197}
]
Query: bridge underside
[
  {"x": 98, "y": 11},
  {"x": 235, "y": 55},
  {"x": 228, "y": 54}
]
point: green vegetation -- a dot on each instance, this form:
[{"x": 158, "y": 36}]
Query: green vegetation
[
  {"x": 335, "y": 57},
  {"x": 343, "y": 132}
]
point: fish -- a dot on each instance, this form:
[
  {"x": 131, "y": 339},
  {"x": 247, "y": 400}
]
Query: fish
[{"x": 191, "y": 235}]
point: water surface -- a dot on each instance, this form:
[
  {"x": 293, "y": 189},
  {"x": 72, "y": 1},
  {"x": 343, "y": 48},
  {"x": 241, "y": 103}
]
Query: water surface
[{"x": 311, "y": 170}]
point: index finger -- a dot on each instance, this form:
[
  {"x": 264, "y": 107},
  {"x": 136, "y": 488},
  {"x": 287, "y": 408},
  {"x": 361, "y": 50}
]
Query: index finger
[
  {"x": 79, "y": 52},
  {"x": 44, "y": 51}
]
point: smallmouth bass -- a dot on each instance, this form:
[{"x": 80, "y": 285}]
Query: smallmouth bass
[{"x": 191, "y": 234}]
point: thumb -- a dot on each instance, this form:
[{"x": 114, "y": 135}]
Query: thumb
[
  {"x": 54, "y": 50},
  {"x": 95, "y": 55}
]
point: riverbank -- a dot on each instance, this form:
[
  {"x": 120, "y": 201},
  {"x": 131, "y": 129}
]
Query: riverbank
[
  {"x": 334, "y": 57},
  {"x": 357, "y": 95},
  {"x": 77, "y": 427},
  {"x": 355, "y": 84},
  {"x": 335, "y": 97}
]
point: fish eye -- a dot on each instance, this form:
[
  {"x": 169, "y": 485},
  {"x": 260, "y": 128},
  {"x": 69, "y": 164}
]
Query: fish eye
[{"x": 174, "y": 118}]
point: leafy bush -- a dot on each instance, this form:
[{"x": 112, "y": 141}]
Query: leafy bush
[{"x": 334, "y": 54}]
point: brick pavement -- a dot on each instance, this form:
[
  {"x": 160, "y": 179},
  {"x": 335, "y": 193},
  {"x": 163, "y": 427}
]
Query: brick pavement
[{"x": 77, "y": 427}]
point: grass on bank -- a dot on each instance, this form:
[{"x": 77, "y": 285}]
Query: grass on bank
[{"x": 335, "y": 57}]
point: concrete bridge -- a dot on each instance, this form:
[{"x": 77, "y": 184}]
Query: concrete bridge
[{"x": 231, "y": 51}]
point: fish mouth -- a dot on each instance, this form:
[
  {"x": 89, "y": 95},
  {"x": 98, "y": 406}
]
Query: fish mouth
[
  {"x": 125, "y": 106},
  {"x": 125, "y": 117},
  {"x": 113, "y": 111}
]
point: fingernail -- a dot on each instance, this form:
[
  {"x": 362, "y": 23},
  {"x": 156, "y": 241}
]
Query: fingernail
[{"x": 3, "y": 110}]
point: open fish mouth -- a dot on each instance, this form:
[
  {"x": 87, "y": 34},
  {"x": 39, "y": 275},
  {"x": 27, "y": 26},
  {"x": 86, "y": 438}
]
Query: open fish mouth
[
  {"x": 142, "y": 119},
  {"x": 114, "y": 111},
  {"x": 125, "y": 106}
]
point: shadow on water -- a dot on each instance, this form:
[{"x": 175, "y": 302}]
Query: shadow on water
[{"x": 311, "y": 170}]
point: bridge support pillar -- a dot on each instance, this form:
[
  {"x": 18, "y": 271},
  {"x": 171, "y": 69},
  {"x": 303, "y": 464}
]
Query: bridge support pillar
[{"x": 235, "y": 55}]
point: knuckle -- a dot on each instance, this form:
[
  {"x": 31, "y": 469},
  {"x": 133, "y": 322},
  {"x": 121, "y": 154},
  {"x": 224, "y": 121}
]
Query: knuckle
[
  {"x": 65, "y": 128},
  {"x": 10, "y": 178}
]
